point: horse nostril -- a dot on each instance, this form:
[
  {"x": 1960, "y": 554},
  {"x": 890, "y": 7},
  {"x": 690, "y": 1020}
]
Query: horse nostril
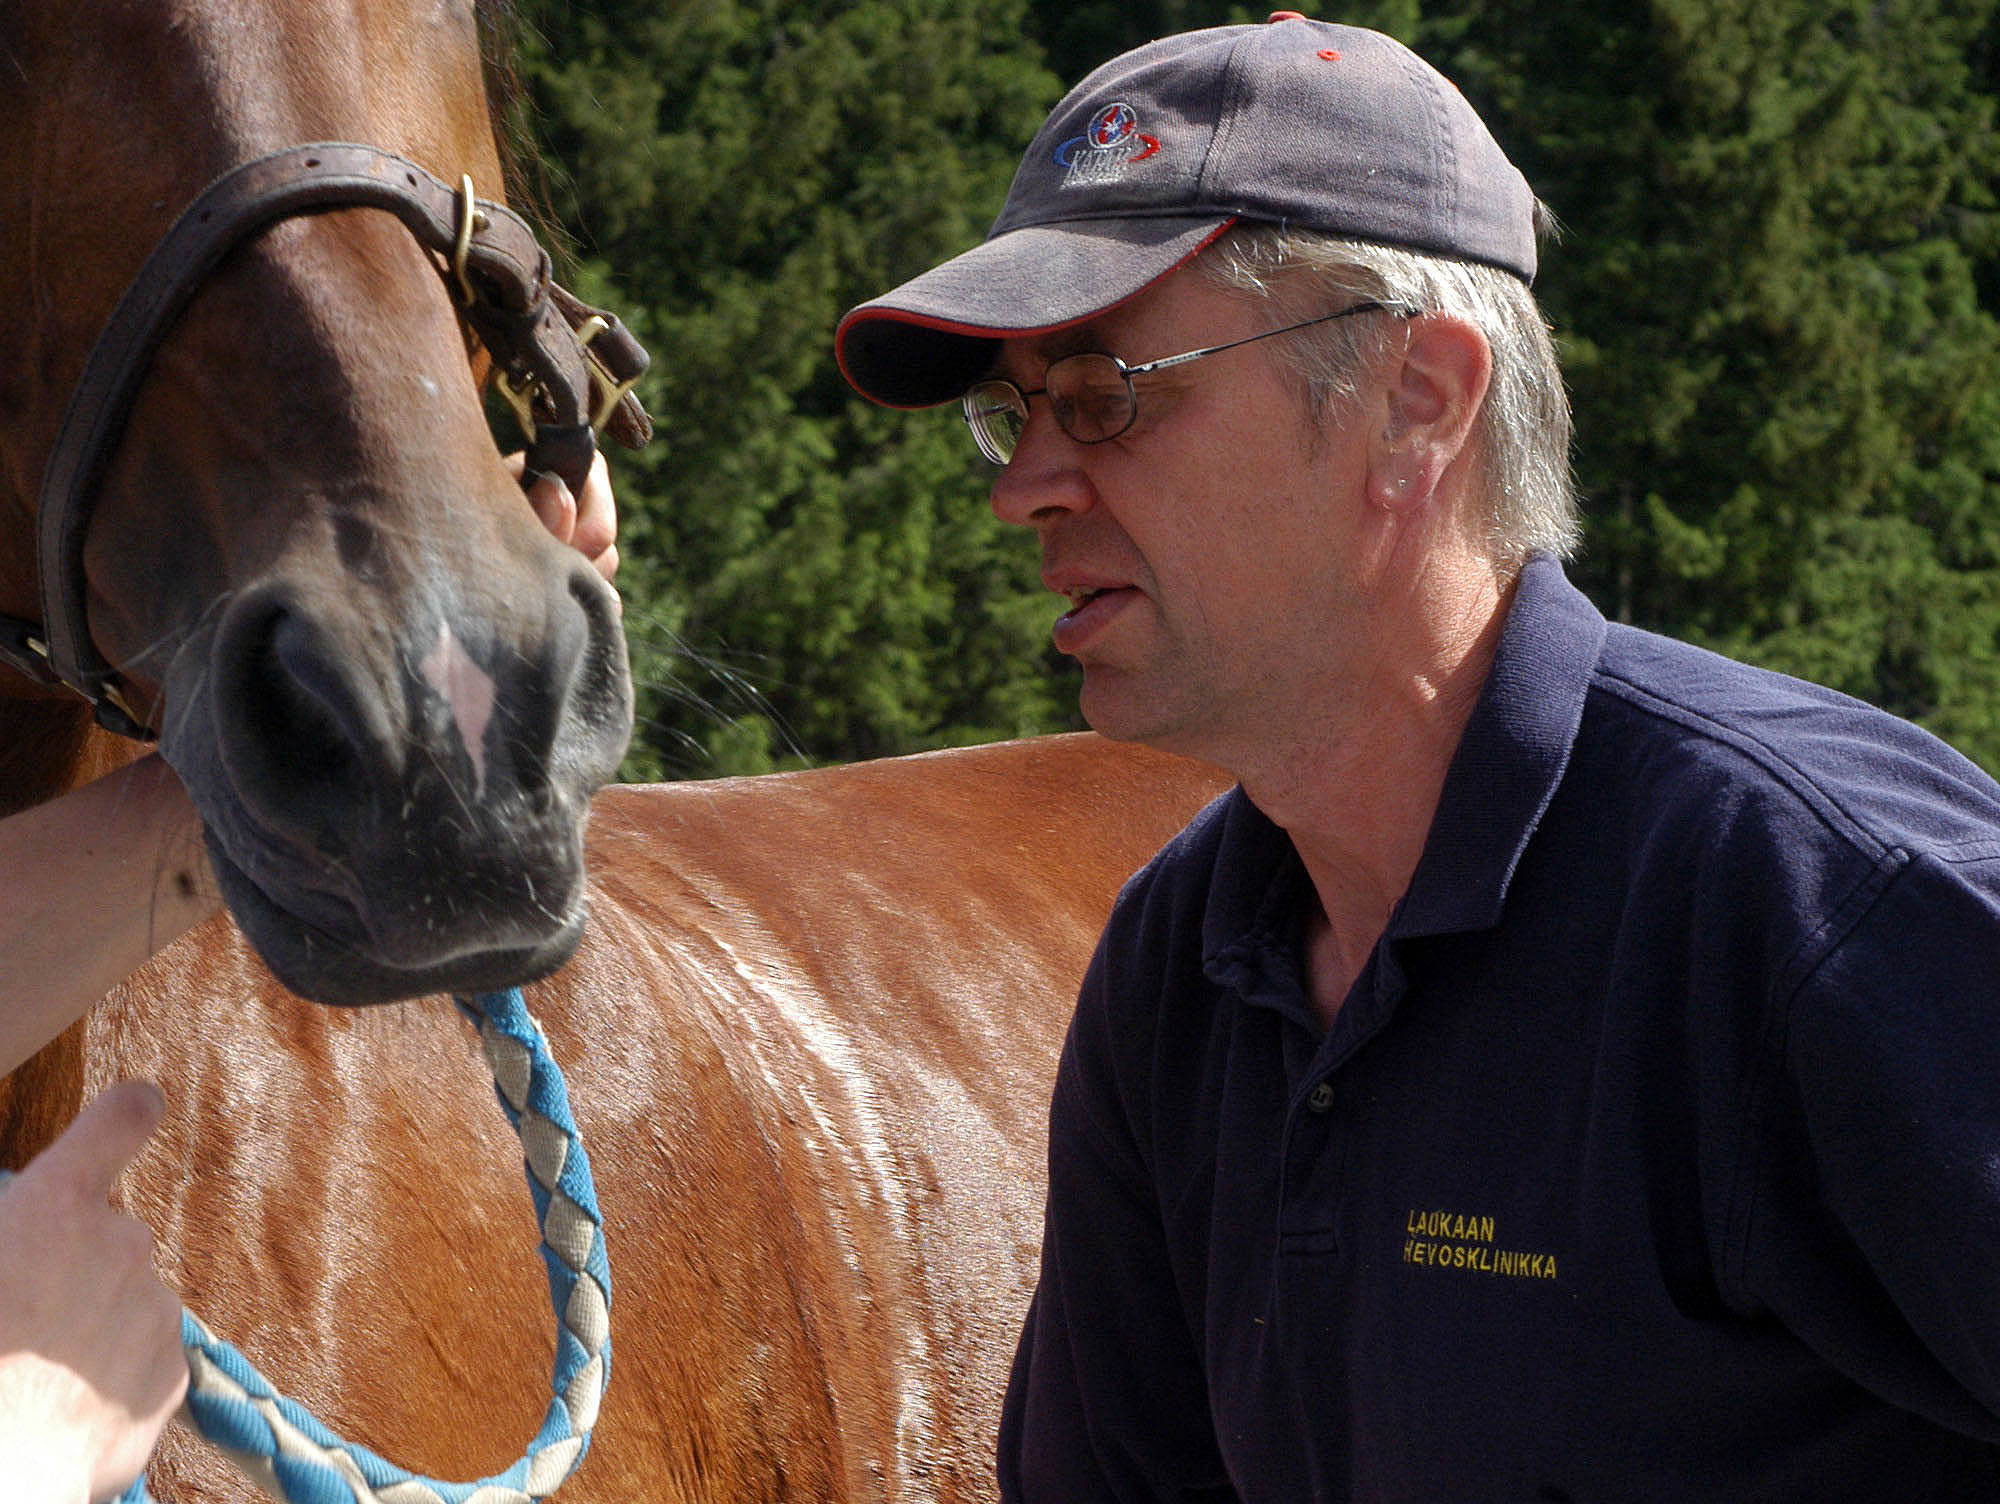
[
  {"x": 298, "y": 720},
  {"x": 600, "y": 691},
  {"x": 296, "y": 708},
  {"x": 330, "y": 735}
]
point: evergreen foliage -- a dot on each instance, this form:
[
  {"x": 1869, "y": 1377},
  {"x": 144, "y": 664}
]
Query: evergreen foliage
[
  {"x": 807, "y": 578},
  {"x": 1785, "y": 377},
  {"x": 1776, "y": 293}
]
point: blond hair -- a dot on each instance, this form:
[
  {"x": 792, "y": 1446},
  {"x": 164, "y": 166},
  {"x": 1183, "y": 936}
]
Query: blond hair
[{"x": 1523, "y": 428}]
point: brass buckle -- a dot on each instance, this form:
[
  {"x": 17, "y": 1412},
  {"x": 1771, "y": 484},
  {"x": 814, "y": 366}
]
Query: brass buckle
[
  {"x": 471, "y": 221},
  {"x": 615, "y": 391},
  {"x": 606, "y": 389},
  {"x": 113, "y": 696},
  {"x": 520, "y": 398}
]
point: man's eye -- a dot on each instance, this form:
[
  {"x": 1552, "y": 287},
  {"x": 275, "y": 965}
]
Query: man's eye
[{"x": 1097, "y": 405}]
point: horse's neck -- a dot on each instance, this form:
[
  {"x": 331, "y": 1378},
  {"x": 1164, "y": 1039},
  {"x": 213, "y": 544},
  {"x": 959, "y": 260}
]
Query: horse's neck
[{"x": 46, "y": 748}]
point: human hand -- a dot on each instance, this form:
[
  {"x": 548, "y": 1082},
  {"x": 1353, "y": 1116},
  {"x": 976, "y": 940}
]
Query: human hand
[
  {"x": 91, "y": 1364},
  {"x": 133, "y": 874},
  {"x": 587, "y": 523}
]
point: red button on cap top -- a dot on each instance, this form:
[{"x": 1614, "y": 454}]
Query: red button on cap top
[{"x": 1285, "y": 15}]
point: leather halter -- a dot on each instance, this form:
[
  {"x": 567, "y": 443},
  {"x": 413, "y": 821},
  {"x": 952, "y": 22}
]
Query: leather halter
[{"x": 566, "y": 367}]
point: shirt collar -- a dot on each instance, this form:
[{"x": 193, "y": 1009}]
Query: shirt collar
[
  {"x": 1511, "y": 758},
  {"x": 1508, "y": 764}
]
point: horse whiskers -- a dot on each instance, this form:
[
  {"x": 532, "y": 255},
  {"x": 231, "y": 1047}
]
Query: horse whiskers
[
  {"x": 167, "y": 644},
  {"x": 739, "y": 690},
  {"x": 451, "y": 783}
]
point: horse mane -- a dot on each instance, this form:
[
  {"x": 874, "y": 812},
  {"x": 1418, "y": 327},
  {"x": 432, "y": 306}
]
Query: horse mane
[{"x": 512, "y": 112}]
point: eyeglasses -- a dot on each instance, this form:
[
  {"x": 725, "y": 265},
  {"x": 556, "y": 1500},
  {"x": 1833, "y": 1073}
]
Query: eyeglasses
[{"x": 1091, "y": 394}]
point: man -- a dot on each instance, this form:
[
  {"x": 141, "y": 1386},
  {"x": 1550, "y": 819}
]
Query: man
[
  {"x": 1568, "y": 1066},
  {"x": 91, "y": 884}
]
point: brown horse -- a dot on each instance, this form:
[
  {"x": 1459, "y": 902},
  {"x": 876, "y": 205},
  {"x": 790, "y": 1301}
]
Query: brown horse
[
  {"x": 810, "y": 1032},
  {"x": 809, "y": 1037},
  {"x": 385, "y": 685}
]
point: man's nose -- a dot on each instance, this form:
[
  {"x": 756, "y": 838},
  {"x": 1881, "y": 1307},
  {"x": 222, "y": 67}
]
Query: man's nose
[{"x": 1043, "y": 481}]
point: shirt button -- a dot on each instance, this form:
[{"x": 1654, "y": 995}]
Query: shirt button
[{"x": 1320, "y": 1098}]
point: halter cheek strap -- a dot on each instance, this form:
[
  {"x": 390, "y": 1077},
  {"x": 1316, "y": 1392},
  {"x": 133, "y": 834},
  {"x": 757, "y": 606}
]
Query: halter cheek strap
[{"x": 562, "y": 384}]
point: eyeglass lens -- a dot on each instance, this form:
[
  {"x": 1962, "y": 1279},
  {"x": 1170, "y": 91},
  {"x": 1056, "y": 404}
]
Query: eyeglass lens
[
  {"x": 1092, "y": 397},
  {"x": 996, "y": 412},
  {"x": 1089, "y": 394}
]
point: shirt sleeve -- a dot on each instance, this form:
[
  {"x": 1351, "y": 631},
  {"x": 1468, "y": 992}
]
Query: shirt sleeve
[
  {"x": 1107, "y": 1399},
  {"x": 1873, "y": 1231}
]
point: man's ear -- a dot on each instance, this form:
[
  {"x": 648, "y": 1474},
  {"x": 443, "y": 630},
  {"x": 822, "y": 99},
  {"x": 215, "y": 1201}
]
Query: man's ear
[{"x": 1436, "y": 385}]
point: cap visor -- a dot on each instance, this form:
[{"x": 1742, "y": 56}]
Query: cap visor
[{"x": 930, "y": 339}]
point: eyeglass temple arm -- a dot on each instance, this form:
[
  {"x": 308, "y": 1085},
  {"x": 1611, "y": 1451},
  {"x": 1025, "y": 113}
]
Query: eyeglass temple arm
[{"x": 1401, "y": 310}]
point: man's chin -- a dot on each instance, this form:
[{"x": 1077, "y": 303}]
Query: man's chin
[{"x": 1117, "y": 705}]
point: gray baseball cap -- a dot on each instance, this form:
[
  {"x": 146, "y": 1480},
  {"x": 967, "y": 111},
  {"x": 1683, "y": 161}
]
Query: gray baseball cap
[{"x": 1296, "y": 122}]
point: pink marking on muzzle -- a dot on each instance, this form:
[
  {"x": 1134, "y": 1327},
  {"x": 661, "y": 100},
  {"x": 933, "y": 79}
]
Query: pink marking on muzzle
[{"x": 468, "y": 689}]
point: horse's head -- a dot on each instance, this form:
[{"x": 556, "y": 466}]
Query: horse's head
[{"x": 390, "y": 692}]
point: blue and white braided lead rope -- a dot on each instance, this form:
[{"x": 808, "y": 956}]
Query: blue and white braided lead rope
[{"x": 291, "y": 1455}]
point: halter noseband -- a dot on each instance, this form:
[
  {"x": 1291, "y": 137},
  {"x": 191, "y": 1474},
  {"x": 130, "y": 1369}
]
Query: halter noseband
[{"x": 566, "y": 368}]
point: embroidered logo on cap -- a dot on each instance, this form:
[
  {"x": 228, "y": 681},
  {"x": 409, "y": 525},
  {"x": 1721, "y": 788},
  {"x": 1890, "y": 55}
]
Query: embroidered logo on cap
[{"x": 1110, "y": 144}]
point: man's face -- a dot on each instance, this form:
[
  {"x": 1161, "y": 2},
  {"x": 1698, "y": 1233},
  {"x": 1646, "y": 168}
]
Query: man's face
[{"x": 1214, "y": 555}]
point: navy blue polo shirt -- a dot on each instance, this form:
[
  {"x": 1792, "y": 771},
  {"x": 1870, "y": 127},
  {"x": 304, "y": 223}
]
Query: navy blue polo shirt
[{"x": 1655, "y": 1155}]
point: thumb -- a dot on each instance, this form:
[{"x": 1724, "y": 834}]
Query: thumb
[
  {"x": 550, "y": 496},
  {"x": 95, "y": 1149}
]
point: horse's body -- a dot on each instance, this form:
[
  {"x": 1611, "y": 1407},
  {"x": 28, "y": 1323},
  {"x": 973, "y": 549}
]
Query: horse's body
[
  {"x": 809, "y": 1038},
  {"x": 811, "y": 1031}
]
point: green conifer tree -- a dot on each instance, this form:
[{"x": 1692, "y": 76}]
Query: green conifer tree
[
  {"x": 1776, "y": 295},
  {"x": 807, "y": 579},
  {"x": 1770, "y": 296}
]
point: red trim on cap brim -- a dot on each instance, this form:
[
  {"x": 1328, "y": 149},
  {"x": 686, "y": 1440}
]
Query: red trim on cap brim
[{"x": 869, "y": 313}]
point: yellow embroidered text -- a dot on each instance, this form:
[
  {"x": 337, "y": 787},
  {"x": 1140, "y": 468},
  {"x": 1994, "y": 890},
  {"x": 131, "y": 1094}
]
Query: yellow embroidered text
[{"x": 1452, "y": 1240}]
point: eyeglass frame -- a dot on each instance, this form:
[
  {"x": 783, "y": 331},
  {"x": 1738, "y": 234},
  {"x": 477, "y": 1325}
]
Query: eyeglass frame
[{"x": 1020, "y": 397}]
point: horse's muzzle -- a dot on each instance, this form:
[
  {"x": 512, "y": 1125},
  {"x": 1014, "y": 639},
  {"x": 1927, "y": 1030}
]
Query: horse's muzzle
[{"x": 399, "y": 810}]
